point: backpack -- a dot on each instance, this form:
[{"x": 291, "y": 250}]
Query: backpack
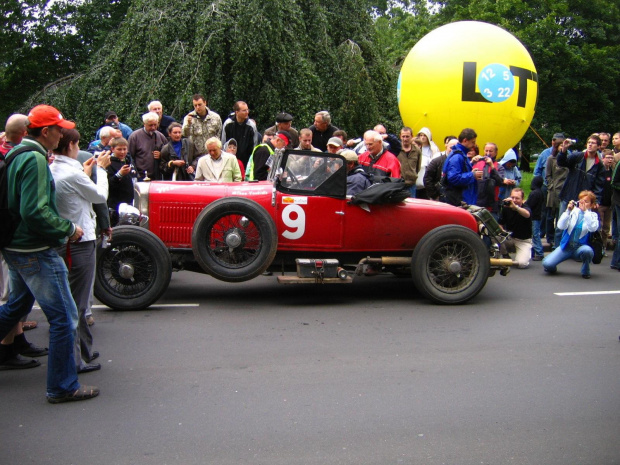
[
  {"x": 595, "y": 240},
  {"x": 8, "y": 221}
]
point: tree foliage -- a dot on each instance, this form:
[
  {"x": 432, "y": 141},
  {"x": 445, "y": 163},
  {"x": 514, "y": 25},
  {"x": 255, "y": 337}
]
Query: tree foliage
[
  {"x": 299, "y": 56},
  {"x": 43, "y": 41},
  {"x": 575, "y": 45},
  {"x": 296, "y": 56}
]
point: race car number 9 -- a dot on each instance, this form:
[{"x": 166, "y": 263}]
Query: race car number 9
[{"x": 294, "y": 217}]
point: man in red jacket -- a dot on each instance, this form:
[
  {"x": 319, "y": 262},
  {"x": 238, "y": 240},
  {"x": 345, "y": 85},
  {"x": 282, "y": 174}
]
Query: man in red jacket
[{"x": 377, "y": 161}]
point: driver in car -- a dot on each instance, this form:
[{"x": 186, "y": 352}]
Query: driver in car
[{"x": 357, "y": 178}]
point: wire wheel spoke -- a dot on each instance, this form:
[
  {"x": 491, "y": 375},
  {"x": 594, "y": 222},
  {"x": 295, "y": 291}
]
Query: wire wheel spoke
[
  {"x": 127, "y": 257},
  {"x": 452, "y": 266},
  {"x": 234, "y": 240}
]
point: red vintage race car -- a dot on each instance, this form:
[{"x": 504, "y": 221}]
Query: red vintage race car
[{"x": 301, "y": 224}]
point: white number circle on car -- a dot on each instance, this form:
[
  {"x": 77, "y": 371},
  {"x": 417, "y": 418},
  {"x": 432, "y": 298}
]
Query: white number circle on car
[{"x": 297, "y": 224}]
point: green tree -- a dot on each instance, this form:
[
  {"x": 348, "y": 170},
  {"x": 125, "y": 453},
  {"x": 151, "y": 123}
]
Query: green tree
[
  {"x": 575, "y": 46},
  {"x": 296, "y": 56},
  {"x": 43, "y": 41}
]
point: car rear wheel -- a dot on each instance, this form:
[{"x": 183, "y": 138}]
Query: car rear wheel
[
  {"x": 234, "y": 239},
  {"x": 450, "y": 265},
  {"x": 134, "y": 271}
]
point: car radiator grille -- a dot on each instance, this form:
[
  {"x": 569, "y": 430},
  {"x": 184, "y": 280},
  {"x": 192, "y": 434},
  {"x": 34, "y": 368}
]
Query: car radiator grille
[{"x": 176, "y": 223}]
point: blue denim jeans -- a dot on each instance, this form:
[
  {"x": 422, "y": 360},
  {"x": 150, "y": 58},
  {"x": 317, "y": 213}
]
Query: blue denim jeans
[
  {"x": 536, "y": 242},
  {"x": 43, "y": 276},
  {"x": 615, "y": 258},
  {"x": 583, "y": 254}
]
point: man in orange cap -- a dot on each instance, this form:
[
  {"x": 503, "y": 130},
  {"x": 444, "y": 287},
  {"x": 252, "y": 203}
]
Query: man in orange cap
[{"x": 36, "y": 270}]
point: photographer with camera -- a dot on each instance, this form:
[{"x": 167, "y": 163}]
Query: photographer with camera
[
  {"x": 516, "y": 217},
  {"x": 577, "y": 222}
]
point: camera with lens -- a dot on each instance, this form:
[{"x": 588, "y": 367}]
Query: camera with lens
[{"x": 506, "y": 203}]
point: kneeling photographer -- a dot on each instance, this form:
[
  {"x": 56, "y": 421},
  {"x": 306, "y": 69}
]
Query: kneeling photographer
[{"x": 516, "y": 217}]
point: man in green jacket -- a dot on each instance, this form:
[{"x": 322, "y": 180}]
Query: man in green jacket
[{"x": 36, "y": 271}]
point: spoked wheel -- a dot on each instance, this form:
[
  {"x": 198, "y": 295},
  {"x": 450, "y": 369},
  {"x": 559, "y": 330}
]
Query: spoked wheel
[
  {"x": 134, "y": 272},
  {"x": 234, "y": 239},
  {"x": 450, "y": 265}
]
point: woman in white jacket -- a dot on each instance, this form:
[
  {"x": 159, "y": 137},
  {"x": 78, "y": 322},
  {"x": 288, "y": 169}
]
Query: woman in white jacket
[
  {"x": 577, "y": 224},
  {"x": 429, "y": 151},
  {"x": 75, "y": 195}
]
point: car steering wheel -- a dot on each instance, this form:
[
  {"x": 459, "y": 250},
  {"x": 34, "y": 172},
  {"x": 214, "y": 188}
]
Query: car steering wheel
[{"x": 295, "y": 181}]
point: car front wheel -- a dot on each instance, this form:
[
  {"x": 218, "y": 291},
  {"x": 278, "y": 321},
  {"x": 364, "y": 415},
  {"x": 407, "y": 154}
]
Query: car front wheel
[
  {"x": 450, "y": 265},
  {"x": 134, "y": 271}
]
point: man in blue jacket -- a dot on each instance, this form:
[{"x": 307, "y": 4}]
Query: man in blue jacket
[{"x": 459, "y": 179}]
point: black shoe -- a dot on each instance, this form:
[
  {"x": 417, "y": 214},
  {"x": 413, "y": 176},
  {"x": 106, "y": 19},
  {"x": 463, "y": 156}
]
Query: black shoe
[
  {"x": 22, "y": 347},
  {"x": 18, "y": 363},
  {"x": 94, "y": 356},
  {"x": 585, "y": 276},
  {"x": 30, "y": 350},
  {"x": 537, "y": 258},
  {"x": 89, "y": 367},
  {"x": 83, "y": 393}
]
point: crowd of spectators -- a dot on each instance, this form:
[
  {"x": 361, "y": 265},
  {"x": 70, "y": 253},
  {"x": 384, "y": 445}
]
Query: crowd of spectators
[{"x": 575, "y": 193}]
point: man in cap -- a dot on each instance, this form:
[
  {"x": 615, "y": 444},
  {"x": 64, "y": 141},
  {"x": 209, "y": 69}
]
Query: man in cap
[
  {"x": 240, "y": 127},
  {"x": 259, "y": 163},
  {"x": 284, "y": 122},
  {"x": 357, "y": 178},
  {"x": 37, "y": 272},
  {"x": 334, "y": 145},
  {"x": 111, "y": 119}
]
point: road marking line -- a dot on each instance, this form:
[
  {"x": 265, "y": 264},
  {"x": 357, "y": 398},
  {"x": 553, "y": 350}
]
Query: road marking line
[
  {"x": 158, "y": 306},
  {"x": 568, "y": 294},
  {"x": 36, "y": 307}
]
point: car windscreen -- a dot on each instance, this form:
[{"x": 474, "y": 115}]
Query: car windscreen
[{"x": 313, "y": 173}]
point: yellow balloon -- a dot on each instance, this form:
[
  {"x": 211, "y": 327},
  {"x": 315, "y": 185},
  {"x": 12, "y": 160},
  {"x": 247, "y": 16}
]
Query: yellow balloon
[{"x": 469, "y": 74}]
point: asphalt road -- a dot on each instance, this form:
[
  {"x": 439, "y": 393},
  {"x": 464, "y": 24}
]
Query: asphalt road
[{"x": 367, "y": 373}]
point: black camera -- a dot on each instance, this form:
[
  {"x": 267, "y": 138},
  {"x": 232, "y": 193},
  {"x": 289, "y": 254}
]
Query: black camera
[{"x": 507, "y": 203}]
